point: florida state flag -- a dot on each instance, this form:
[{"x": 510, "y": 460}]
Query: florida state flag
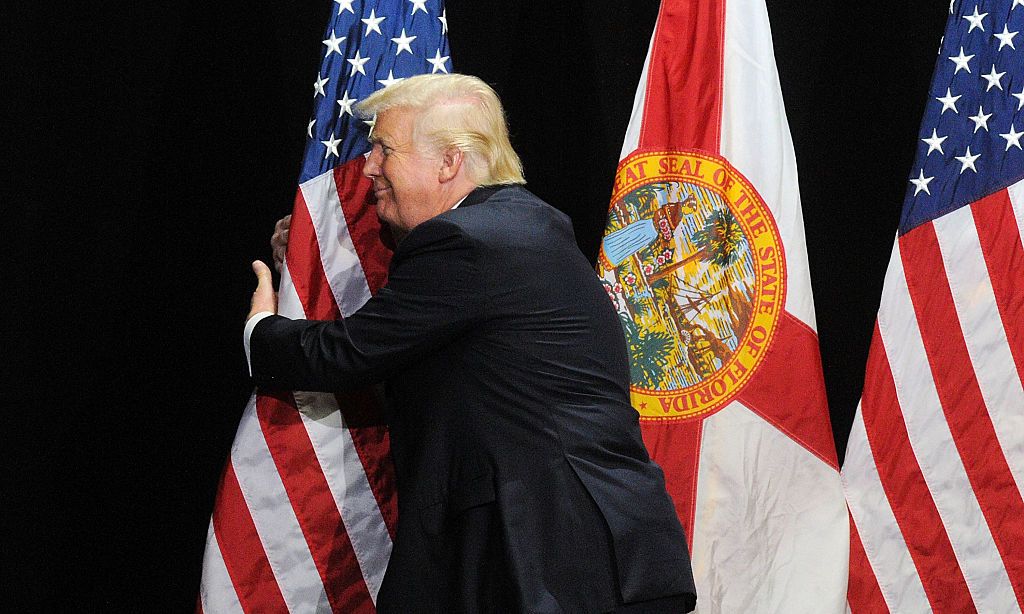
[{"x": 704, "y": 258}]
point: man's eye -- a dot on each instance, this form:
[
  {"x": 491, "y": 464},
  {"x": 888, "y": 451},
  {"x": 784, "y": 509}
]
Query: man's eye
[{"x": 386, "y": 150}]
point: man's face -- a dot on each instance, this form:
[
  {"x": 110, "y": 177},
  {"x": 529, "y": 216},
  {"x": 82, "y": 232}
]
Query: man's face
[{"x": 405, "y": 179}]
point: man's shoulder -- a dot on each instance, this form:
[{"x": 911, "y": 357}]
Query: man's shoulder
[
  {"x": 497, "y": 213},
  {"x": 437, "y": 233},
  {"x": 488, "y": 197},
  {"x": 493, "y": 225}
]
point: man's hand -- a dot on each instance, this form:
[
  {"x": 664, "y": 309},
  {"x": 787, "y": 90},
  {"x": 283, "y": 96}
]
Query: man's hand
[
  {"x": 264, "y": 298},
  {"x": 279, "y": 240}
]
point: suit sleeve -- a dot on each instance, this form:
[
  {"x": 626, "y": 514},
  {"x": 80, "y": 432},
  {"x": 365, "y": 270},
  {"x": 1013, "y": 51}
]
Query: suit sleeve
[{"x": 433, "y": 295}]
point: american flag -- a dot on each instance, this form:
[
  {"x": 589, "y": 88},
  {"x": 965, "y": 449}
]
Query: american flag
[
  {"x": 935, "y": 460},
  {"x": 305, "y": 511}
]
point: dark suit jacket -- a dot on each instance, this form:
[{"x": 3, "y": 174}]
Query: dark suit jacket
[{"x": 523, "y": 482}]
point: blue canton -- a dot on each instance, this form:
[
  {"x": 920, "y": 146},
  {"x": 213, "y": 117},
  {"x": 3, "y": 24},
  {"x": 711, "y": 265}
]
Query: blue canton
[
  {"x": 367, "y": 46},
  {"x": 971, "y": 135}
]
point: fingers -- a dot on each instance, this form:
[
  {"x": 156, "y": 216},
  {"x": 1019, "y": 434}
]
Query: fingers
[
  {"x": 279, "y": 253},
  {"x": 279, "y": 240},
  {"x": 280, "y": 236}
]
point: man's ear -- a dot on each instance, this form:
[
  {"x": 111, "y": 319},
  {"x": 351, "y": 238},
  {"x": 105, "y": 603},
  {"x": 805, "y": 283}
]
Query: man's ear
[{"x": 451, "y": 163}]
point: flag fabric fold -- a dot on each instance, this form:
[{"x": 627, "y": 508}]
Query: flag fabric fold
[
  {"x": 305, "y": 510},
  {"x": 935, "y": 461},
  {"x": 716, "y": 305}
]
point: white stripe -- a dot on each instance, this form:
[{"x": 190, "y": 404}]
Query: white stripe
[
  {"x": 883, "y": 542},
  {"x": 275, "y": 520},
  {"x": 349, "y": 486},
  {"x": 1016, "y": 192},
  {"x": 984, "y": 335},
  {"x": 771, "y": 531},
  {"x": 289, "y": 304},
  {"x": 337, "y": 252},
  {"x": 934, "y": 448},
  {"x": 756, "y": 140},
  {"x": 216, "y": 591},
  {"x": 632, "y": 138}
]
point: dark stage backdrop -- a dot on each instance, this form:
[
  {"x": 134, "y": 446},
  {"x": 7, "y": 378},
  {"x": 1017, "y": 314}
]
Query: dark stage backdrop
[{"x": 116, "y": 505}]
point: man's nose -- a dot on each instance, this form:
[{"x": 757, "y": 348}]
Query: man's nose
[{"x": 372, "y": 166}]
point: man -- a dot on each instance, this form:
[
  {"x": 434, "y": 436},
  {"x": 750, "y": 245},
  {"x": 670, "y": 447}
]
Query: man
[{"x": 523, "y": 483}]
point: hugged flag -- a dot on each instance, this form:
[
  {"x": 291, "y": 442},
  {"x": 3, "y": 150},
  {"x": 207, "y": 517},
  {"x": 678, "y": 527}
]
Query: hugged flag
[
  {"x": 305, "y": 511},
  {"x": 935, "y": 462},
  {"x": 704, "y": 259}
]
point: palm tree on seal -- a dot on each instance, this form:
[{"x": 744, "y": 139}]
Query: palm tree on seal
[{"x": 719, "y": 242}]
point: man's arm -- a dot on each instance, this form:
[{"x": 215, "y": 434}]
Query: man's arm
[{"x": 433, "y": 294}]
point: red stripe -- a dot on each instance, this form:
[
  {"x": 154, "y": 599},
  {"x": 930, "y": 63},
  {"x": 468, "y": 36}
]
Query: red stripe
[
  {"x": 675, "y": 446},
  {"x": 364, "y": 417},
  {"x": 1004, "y": 256},
  {"x": 789, "y": 390},
  {"x": 683, "y": 101},
  {"x": 961, "y": 399},
  {"x": 904, "y": 486},
  {"x": 305, "y": 267},
  {"x": 242, "y": 550},
  {"x": 315, "y": 508},
  {"x": 863, "y": 593},
  {"x": 364, "y": 227}
]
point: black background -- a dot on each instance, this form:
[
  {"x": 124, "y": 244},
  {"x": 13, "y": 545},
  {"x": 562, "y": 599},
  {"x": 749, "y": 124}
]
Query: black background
[{"x": 127, "y": 376}]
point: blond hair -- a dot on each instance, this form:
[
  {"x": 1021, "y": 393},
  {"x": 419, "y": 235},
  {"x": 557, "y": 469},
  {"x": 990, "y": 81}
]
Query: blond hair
[{"x": 455, "y": 111}]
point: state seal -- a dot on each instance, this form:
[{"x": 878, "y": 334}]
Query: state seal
[{"x": 694, "y": 264}]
